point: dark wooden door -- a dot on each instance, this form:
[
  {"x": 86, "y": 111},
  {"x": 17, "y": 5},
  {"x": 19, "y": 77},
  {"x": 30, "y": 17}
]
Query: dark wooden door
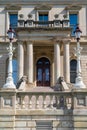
[{"x": 43, "y": 72}]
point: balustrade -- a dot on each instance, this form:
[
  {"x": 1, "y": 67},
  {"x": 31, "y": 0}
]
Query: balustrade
[
  {"x": 32, "y": 23},
  {"x": 42, "y": 100},
  {"x": 29, "y": 100}
]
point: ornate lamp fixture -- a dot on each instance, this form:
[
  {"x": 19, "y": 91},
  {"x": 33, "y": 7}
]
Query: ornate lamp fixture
[
  {"x": 79, "y": 83},
  {"x": 9, "y": 81}
]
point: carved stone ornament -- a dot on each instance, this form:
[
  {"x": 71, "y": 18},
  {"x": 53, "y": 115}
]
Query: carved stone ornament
[{"x": 12, "y": 7}]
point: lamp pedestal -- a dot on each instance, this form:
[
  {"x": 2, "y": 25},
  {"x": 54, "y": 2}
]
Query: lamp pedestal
[
  {"x": 9, "y": 81},
  {"x": 79, "y": 83}
]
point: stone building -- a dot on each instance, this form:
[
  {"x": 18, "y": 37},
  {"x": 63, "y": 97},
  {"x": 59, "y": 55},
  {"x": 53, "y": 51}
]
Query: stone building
[{"x": 45, "y": 65}]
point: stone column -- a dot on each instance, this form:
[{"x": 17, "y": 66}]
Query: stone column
[
  {"x": 66, "y": 61},
  {"x": 30, "y": 62},
  {"x": 56, "y": 61},
  {"x": 20, "y": 60}
]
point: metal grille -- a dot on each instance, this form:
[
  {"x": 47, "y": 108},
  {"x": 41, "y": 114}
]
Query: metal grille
[{"x": 43, "y": 125}]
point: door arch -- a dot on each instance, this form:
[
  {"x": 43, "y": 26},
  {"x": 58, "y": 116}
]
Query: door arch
[{"x": 43, "y": 72}]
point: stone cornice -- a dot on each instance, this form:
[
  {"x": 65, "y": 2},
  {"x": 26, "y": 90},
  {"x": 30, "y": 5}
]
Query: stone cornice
[{"x": 34, "y": 2}]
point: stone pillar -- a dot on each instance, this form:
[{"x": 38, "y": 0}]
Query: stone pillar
[
  {"x": 66, "y": 61},
  {"x": 20, "y": 60},
  {"x": 56, "y": 62},
  {"x": 30, "y": 62}
]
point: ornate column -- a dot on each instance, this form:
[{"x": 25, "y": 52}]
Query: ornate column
[
  {"x": 56, "y": 61},
  {"x": 20, "y": 60},
  {"x": 66, "y": 61},
  {"x": 30, "y": 62}
]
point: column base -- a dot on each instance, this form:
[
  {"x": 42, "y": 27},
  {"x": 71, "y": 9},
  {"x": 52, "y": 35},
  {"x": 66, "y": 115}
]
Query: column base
[
  {"x": 9, "y": 84},
  {"x": 79, "y": 83}
]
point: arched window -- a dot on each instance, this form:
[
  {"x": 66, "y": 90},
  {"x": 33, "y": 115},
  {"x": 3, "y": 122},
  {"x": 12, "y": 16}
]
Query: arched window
[
  {"x": 73, "y": 64},
  {"x": 15, "y": 71}
]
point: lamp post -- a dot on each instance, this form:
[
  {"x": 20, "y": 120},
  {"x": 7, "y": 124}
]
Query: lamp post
[
  {"x": 78, "y": 83},
  {"x": 9, "y": 81}
]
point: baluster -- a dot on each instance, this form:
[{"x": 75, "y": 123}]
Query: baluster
[
  {"x": 22, "y": 102},
  {"x": 65, "y": 102},
  {"x": 57, "y": 102},
  {"x": 18, "y": 102},
  {"x": 51, "y": 101},
  {"x": 37, "y": 102},
  {"x": 62, "y": 101},
  {"x": 44, "y": 101},
  {"x": 69, "y": 103},
  {"x": 30, "y": 102}
]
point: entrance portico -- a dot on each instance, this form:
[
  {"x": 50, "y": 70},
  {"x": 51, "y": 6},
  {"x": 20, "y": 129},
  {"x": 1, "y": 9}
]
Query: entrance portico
[{"x": 47, "y": 56}]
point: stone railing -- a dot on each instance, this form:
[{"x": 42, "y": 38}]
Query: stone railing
[
  {"x": 54, "y": 23},
  {"x": 42, "y": 100}
]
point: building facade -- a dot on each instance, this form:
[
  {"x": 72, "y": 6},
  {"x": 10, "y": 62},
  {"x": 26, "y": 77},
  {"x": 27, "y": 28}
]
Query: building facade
[{"x": 44, "y": 65}]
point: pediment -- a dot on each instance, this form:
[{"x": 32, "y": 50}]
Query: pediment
[
  {"x": 43, "y": 7},
  {"x": 12, "y": 7},
  {"x": 73, "y": 7}
]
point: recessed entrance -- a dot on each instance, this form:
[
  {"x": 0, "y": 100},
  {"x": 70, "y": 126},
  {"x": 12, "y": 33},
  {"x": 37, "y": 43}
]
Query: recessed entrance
[{"x": 43, "y": 72}]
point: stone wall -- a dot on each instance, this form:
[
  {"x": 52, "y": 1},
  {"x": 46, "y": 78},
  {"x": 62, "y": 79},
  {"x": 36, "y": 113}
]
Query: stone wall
[
  {"x": 13, "y": 117},
  {"x": 50, "y": 120}
]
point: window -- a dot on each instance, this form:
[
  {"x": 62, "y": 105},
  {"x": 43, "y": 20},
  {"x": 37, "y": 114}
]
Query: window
[
  {"x": 73, "y": 22},
  {"x": 73, "y": 65},
  {"x": 13, "y": 20},
  {"x": 43, "y": 19}
]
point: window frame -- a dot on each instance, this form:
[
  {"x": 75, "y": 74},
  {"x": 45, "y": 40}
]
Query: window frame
[
  {"x": 74, "y": 13},
  {"x": 10, "y": 13}
]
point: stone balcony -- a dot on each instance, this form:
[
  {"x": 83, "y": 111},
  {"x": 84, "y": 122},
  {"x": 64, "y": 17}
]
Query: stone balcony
[{"x": 44, "y": 24}]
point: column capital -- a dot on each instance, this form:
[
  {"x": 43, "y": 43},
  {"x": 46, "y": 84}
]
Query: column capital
[
  {"x": 20, "y": 42},
  {"x": 30, "y": 42},
  {"x": 62, "y": 40},
  {"x": 66, "y": 41}
]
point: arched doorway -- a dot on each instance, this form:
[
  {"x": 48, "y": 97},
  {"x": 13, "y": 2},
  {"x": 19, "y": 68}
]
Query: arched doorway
[{"x": 43, "y": 72}]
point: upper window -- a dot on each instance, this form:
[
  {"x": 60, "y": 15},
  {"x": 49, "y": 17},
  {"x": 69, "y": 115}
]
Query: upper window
[
  {"x": 73, "y": 22},
  {"x": 43, "y": 17},
  {"x": 13, "y": 20}
]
